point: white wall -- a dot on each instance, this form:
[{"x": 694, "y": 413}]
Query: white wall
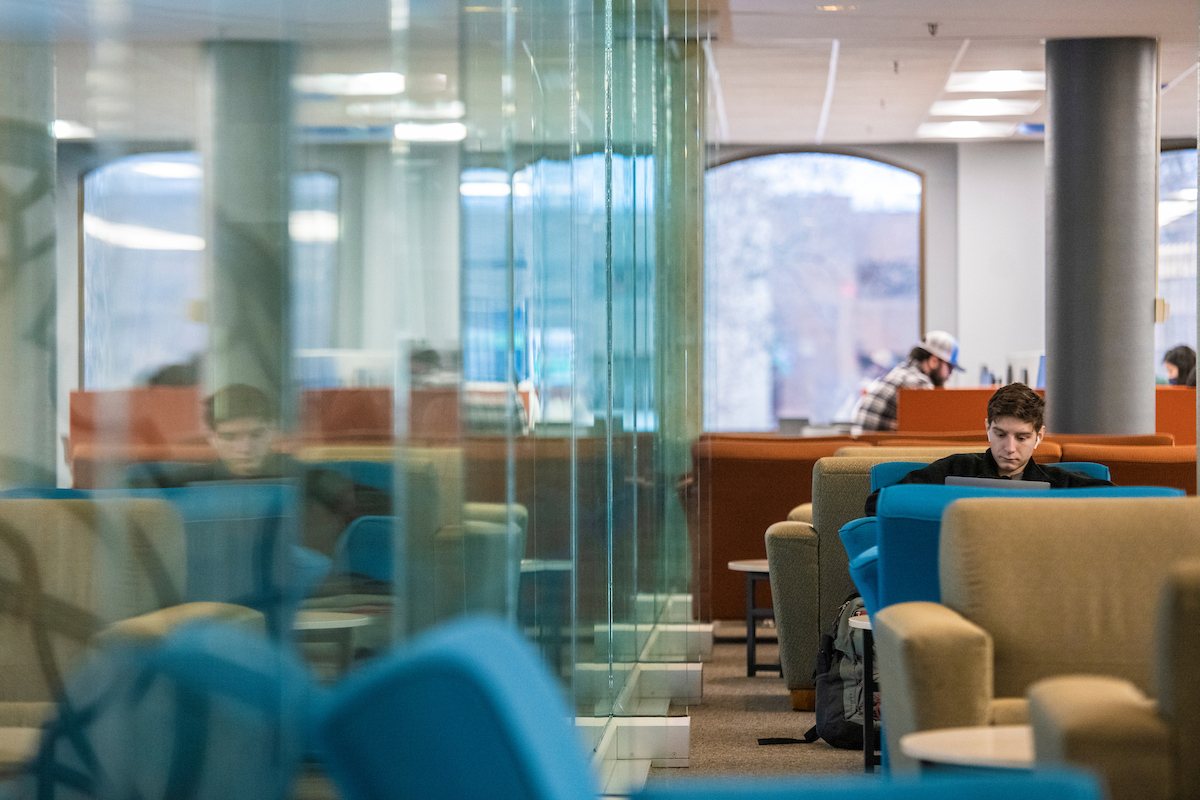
[
  {"x": 1001, "y": 288},
  {"x": 938, "y": 164}
]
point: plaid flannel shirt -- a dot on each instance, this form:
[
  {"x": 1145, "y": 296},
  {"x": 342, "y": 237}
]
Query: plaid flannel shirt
[{"x": 876, "y": 409}]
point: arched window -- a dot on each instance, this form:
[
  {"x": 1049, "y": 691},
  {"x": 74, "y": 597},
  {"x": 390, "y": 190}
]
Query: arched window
[
  {"x": 1176, "y": 251},
  {"x": 812, "y": 285},
  {"x": 144, "y": 285}
]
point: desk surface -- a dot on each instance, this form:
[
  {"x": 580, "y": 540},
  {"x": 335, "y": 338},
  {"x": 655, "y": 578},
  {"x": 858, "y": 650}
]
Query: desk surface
[
  {"x": 312, "y": 620},
  {"x": 749, "y": 565},
  {"x": 998, "y": 746}
]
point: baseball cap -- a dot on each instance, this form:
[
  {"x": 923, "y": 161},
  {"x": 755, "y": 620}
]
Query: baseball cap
[{"x": 942, "y": 345}]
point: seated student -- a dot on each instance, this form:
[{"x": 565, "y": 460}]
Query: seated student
[
  {"x": 1179, "y": 365},
  {"x": 243, "y": 430},
  {"x": 1015, "y": 426}
]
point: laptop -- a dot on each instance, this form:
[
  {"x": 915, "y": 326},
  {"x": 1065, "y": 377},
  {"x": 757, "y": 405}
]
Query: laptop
[{"x": 995, "y": 483}]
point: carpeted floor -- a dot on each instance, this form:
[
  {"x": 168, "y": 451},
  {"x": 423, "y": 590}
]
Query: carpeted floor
[
  {"x": 737, "y": 711},
  {"x": 725, "y": 728}
]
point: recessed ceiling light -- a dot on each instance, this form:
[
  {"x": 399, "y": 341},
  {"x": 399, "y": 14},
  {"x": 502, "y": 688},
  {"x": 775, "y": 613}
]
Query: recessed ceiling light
[
  {"x": 835, "y": 7},
  {"x": 966, "y": 129},
  {"x": 997, "y": 80},
  {"x": 69, "y": 129},
  {"x": 360, "y": 84},
  {"x": 429, "y": 132},
  {"x": 983, "y": 107}
]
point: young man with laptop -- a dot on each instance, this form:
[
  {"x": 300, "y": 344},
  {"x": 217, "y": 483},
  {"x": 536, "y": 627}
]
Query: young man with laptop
[{"x": 1015, "y": 427}]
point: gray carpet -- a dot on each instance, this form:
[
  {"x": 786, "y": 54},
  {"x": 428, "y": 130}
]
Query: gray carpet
[{"x": 737, "y": 711}]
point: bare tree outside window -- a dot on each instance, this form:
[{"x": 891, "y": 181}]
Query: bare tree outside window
[{"x": 812, "y": 284}]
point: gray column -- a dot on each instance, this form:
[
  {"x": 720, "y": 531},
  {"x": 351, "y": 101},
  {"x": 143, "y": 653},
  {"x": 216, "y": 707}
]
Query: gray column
[
  {"x": 247, "y": 160},
  {"x": 27, "y": 284},
  {"x": 1101, "y": 234}
]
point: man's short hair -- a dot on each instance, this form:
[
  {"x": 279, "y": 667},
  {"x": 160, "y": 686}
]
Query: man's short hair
[
  {"x": 918, "y": 353},
  {"x": 237, "y": 401},
  {"x": 1019, "y": 401}
]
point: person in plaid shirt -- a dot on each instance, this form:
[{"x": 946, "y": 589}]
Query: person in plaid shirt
[{"x": 929, "y": 364}]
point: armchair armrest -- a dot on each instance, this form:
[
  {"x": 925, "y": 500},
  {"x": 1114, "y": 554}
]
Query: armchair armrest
[
  {"x": 792, "y": 564},
  {"x": 935, "y": 670},
  {"x": 1107, "y": 725},
  {"x": 157, "y": 624},
  {"x": 801, "y": 513}
]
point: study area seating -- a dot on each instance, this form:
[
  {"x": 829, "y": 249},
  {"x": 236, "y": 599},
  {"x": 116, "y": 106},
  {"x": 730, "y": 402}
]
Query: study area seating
[
  {"x": 808, "y": 565},
  {"x": 384, "y": 733},
  {"x": 1143, "y": 748},
  {"x": 1030, "y": 589},
  {"x": 74, "y": 572},
  {"x": 207, "y": 711}
]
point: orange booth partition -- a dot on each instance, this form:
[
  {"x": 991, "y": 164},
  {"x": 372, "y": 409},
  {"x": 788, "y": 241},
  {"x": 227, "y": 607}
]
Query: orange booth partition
[{"x": 923, "y": 410}]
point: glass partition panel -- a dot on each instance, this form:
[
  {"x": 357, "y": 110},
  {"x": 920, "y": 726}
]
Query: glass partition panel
[{"x": 389, "y": 309}]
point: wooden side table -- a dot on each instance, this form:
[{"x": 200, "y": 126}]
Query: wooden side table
[{"x": 756, "y": 572}]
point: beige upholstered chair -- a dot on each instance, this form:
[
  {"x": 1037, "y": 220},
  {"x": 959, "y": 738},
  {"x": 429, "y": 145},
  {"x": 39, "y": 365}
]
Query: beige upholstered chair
[
  {"x": 808, "y": 565},
  {"x": 1030, "y": 589},
  {"x": 73, "y": 573},
  {"x": 1143, "y": 749}
]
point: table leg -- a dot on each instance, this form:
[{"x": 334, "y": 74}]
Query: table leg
[
  {"x": 868, "y": 701},
  {"x": 751, "y": 627}
]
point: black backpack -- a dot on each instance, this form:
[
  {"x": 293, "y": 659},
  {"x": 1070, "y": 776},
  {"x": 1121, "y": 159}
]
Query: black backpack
[{"x": 839, "y": 682}]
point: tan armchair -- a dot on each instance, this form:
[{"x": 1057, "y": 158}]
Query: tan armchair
[
  {"x": 1143, "y": 749},
  {"x": 72, "y": 574},
  {"x": 809, "y": 570},
  {"x": 1030, "y": 589}
]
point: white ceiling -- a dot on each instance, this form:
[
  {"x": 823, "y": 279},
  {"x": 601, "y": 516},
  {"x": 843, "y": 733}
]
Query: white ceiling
[
  {"x": 782, "y": 72},
  {"x": 878, "y": 67}
]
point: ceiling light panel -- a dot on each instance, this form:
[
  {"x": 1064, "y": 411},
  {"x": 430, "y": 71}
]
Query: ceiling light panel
[
  {"x": 984, "y": 107},
  {"x": 997, "y": 80},
  {"x": 966, "y": 129}
]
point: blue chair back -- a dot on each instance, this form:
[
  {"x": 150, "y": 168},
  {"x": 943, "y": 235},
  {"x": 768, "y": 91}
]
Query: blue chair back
[
  {"x": 242, "y": 544},
  {"x": 857, "y": 535},
  {"x": 1089, "y": 468},
  {"x": 864, "y": 571},
  {"x": 467, "y": 710},
  {"x": 1042, "y": 784},
  {"x": 367, "y": 547},
  {"x": 210, "y": 711},
  {"x": 910, "y": 519},
  {"x": 890, "y": 473}
]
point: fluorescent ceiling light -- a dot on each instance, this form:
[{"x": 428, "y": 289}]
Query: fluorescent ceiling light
[
  {"x": 429, "y": 132},
  {"x": 313, "y": 226},
  {"x": 171, "y": 170},
  {"x": 406, "y": 109},
  {"x": 984, "y": 107},
  {"x": 483, "y": 189},
  {"x": 997, "y": 80},
  {"x": 966, "y": 129},
  {"x": 833, "y": 8},
  {"x": 139, "y": 237},
  {"x": 69, "y": 129},
  {"x": 350, "y": 85}
]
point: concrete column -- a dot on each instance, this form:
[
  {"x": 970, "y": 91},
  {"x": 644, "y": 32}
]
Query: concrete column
[
  {"x": 247, "y": 159},
  {"x": 27, "y": 270},
  {"x": 1101, "y": 234}
]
